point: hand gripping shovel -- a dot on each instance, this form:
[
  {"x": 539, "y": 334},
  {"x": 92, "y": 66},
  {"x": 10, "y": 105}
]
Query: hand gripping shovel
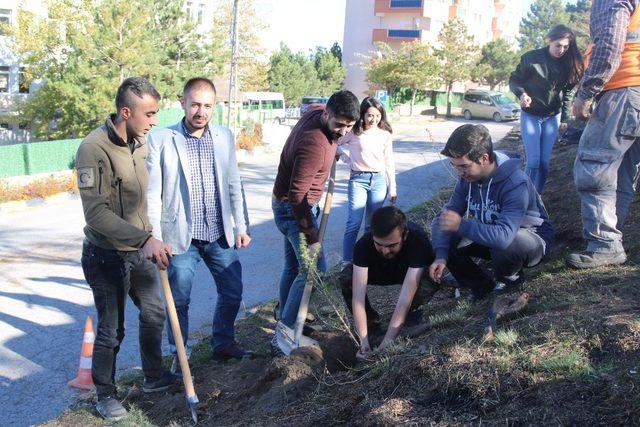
[
  {"x": 290, "y": 339},
  {"x": 192, "y": 399}
]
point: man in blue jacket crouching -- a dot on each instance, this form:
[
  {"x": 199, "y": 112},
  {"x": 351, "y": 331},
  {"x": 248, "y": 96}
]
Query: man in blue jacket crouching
[{"x": 494, "y": 213}]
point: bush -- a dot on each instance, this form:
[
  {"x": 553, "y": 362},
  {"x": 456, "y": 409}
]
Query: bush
[
  {"x": 250, "y": 137},
  {"x": 39, "y": 188}
]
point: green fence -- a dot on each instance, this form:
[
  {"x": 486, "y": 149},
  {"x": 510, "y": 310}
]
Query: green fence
[{"x": 51, "y": 156}]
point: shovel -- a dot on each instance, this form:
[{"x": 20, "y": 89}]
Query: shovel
[
  {"x": 192, "y": 399},
  {"x": 289, "y": 339}
]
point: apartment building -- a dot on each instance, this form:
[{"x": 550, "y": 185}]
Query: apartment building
[{"x": 395, "y": 21}]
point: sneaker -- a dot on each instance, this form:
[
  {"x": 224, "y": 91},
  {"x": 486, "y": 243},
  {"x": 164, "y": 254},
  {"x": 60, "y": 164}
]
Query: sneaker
[
  {"x": 414, "y": 318},
  {"x": 110, "y": 409},
  {"x": 275, "y": 348},
  {"x": 163, "y": 383},
  {"x": 588, "y": 259},
  {"x": 233, "y": 351}
]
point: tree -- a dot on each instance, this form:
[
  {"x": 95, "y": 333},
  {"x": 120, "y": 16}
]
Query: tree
[
  {"x": 457, "y": 55},
  {"x": 496, "y": 63},
  {"x": 412, "y": 66},
  {"x": 330, "y": 72},
  {"x": 579, "y": 14},
  {"x": 252, "y": 65},
  {"x": 543, "y": 15},
  {"x": 85, "y": 48},
  {"x": 292, "y": 74},
  {"x": 336, "y": 51}
]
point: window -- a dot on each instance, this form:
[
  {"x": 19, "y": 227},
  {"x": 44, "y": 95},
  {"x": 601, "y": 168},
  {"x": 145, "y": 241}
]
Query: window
[
  {"x": 23, "y": 86},
  {"x": 201, "y": 9},
  {"x": 189, "y": 10},
  {"x": 406, "y": 3},
  {"x": 6, "y": 126},
  {"x": 471, "y": 97},
  {"x": 4, "y": 79},
  {"x": 409, "y": 34},
  {"x": 5, "y": 18},
  {"x": 485, "y": 100}
]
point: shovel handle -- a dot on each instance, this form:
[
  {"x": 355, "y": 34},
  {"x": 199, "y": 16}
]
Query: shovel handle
[
  {"x": 177, "y": 336},
  {"x": 306, "y": 294}
]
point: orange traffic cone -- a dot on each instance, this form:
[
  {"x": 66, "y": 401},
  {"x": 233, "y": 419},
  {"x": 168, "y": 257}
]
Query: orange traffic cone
[{"x": 84, "y": 380}]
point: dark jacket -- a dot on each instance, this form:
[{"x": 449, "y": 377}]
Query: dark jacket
[
  {"x": 545, "y": 80},
  {"x": 494, "y": 209},
  {"x": 112, "y": 180},
  {"x": 304, "y": 167}
]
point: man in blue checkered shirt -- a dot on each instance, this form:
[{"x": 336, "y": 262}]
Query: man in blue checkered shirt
[{"x": 196, "y": 205}]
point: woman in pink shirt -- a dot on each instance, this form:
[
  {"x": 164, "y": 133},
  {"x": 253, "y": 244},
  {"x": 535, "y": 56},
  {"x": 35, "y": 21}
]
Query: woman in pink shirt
[{"x": 373, "y": 173}]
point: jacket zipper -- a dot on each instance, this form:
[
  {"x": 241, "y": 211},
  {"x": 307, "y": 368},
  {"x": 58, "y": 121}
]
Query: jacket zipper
[
  {"x": 120, "y": 198},
  {"x": 100, "y": 172},
  {"x": 138, "y": 145}
]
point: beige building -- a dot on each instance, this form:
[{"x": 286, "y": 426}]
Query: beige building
[{"x": 395, "y": 21}]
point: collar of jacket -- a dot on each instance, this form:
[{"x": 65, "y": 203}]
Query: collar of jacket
[{"x": 113, "y": 135}]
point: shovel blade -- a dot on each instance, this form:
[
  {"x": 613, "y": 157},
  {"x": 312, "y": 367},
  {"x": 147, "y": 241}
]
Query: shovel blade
[{"x": 286, "y": 342}]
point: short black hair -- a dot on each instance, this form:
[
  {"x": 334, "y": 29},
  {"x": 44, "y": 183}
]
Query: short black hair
[
  {"x": 344, "y": 104},
  {"x": 386, "y": 219},
  {"x": 469, "y": 140},
  {"x": 198, "y": 83},
  {"x": 138, "y": 86}
]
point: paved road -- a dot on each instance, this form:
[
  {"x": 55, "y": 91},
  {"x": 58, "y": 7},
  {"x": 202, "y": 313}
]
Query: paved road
[{"x": 44, "y": 299}]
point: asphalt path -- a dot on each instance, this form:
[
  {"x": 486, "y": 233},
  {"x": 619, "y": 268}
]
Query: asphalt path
[{"x": 44, "y": 299}]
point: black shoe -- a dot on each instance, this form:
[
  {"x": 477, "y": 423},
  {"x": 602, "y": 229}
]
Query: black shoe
[
  {"x": 159, "y": 384},
  {"x": 233, "y": 351},
  {"x": 110, "y": 409},
  {"x": 414, "y": 318}
]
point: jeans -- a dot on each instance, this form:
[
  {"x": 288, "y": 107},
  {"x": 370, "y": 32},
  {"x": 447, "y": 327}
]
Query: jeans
[
  {"x": 606, "y": 168},
  {"x": 538, "y": 134},
  {"x": 112, "y": 275},
  {"x": 526, "y": 250},
  {"x": 294, "y": 271},
  {"x": 224, "y": 265},
  {"x": 367, "y": 191}
]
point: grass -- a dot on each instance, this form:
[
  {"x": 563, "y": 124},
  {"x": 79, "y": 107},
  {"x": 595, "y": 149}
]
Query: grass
[
  {"x": 447, "y": 318},
  {"x": 506, "y": 338}
]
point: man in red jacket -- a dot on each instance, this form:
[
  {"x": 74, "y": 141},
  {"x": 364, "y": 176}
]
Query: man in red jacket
[{"x": 304, "y": 167}]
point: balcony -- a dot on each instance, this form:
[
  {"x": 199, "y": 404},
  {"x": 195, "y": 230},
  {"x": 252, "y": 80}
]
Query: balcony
[
  {"x": 407, "y": 7},
  {"x": 395, "y": 36}
]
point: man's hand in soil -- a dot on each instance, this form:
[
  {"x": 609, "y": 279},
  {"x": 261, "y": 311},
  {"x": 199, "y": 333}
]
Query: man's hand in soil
[
  {"x": 365, "y": 351},
  {"x": 158, "y": 252}
]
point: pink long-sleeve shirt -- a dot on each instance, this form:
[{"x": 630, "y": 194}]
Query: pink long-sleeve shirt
[{"x": 371, "y": 151}]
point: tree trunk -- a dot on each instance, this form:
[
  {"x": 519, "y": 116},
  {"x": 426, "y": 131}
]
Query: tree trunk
[
  {"x": 449, "y": 88},
  {"x": 413, "y": 101}
]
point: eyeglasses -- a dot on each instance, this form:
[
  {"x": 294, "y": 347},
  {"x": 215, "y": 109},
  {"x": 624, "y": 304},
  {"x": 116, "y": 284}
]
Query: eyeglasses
[{"x": 463, "y": 167}]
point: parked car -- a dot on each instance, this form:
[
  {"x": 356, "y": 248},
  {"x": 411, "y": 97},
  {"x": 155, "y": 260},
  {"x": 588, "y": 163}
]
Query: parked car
[
  {"x": 307, "y": 101},
  {"x": 489, "y": 105}
]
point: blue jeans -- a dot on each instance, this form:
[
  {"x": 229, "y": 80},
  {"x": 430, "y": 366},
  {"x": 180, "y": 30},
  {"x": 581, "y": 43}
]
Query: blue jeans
[
  {"x": 538, "y": 134},
  {"x": 367, "y": 191},
  {"x": 224, "y": 265},
  {"x": 294, "y": 272}
]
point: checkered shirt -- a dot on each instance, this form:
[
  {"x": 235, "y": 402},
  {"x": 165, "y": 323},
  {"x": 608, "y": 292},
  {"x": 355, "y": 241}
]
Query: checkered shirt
[
  {"x": 206, "y": 215},
  {"x": 608, "y": 27}
]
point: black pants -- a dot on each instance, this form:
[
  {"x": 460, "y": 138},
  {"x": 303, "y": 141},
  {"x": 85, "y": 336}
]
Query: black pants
[
  {"x": 426, "y": 290},
  {"x": 112, "y": 275},
  {"x": 526, "y": 250}
]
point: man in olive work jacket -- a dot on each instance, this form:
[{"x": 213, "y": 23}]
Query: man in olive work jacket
[
  {"x": 304, "y": 167},
  {"x": 119, "y": 252}
]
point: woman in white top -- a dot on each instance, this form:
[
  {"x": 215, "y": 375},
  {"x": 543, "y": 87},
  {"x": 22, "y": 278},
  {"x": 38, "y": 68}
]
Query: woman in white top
[{"x": 373, "y": 173}]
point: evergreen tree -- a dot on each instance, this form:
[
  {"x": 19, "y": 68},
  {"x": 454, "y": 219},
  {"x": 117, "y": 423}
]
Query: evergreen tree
[
  {"x": 543, "y": 15},
  {"x": 496, "y": 63}
]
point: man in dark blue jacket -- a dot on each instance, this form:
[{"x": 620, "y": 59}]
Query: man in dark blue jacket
[{"x": 494, "y": 213}]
